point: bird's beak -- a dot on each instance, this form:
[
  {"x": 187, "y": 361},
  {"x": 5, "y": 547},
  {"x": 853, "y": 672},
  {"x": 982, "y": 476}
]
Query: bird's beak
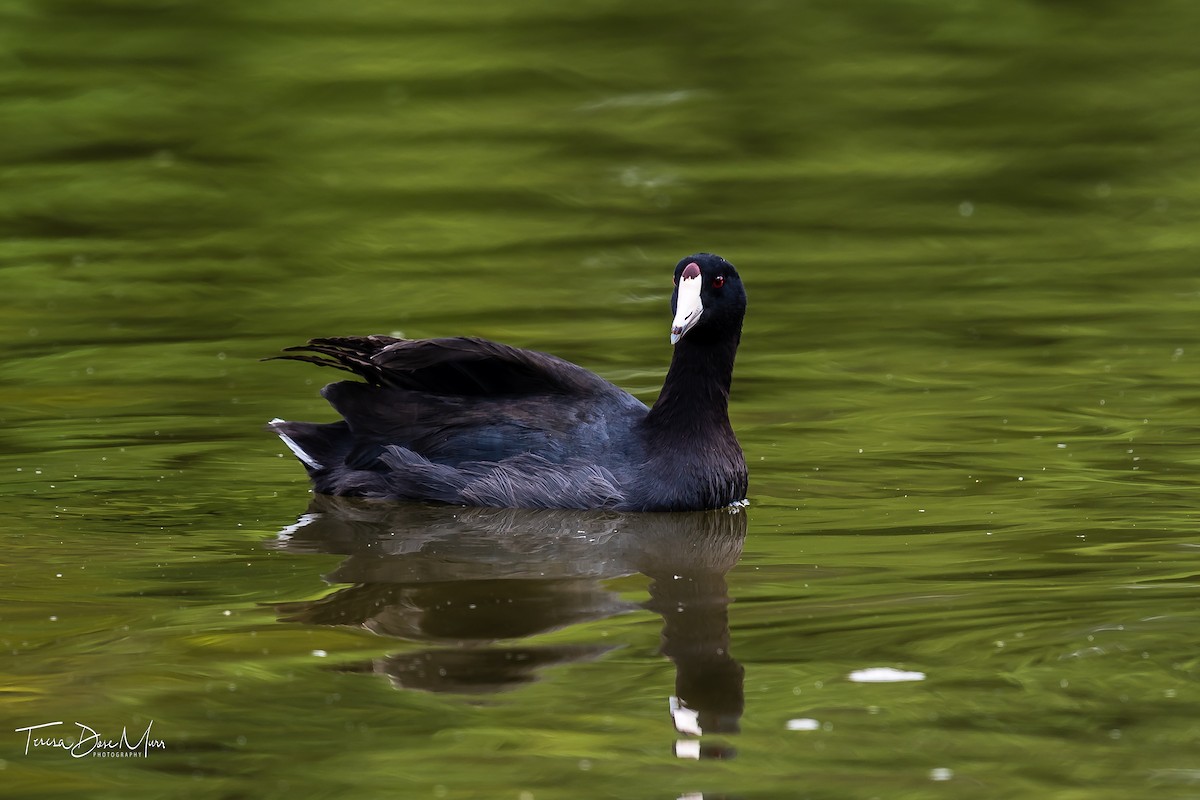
[{"x": 688, "y": 307}]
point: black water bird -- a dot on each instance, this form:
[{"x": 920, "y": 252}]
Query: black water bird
[{"x": 473, "y": 422}]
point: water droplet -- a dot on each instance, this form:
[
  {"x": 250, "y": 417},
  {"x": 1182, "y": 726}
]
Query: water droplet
[
  {"x": 884, "y": 675},
  {"x": 803, "y": 724}
]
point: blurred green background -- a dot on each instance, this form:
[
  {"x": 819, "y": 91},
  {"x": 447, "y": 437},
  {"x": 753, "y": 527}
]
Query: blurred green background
[{"x": 967, "y": 390}]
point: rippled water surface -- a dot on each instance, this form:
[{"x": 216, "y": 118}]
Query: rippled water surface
[{"x": 967, "y": 390}]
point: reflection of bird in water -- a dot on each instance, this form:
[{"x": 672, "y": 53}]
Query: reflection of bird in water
[
  {"x": 470, "y": 577},
  {"x": 695, "y": 636}
]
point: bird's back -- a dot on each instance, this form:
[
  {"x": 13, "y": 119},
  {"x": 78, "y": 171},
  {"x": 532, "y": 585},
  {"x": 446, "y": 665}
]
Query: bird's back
[{"x": 467, "y": 420}]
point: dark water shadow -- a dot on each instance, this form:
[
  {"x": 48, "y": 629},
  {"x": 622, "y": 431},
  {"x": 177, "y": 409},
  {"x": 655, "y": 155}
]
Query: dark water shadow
[{"x": 473, "y": 582}]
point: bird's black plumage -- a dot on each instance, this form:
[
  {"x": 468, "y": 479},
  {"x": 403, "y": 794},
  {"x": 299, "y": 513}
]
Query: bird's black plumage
[{"x": 474, "y": 422}]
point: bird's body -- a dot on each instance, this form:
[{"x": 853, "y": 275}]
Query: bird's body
[{"x": 474, "y": 422}]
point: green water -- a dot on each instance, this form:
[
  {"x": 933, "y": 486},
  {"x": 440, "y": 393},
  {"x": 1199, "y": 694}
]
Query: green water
[{"x": 967, "y": 391}]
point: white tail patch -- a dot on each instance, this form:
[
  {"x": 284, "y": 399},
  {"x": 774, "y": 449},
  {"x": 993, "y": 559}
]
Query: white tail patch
[{"x": 296, "y": 449}]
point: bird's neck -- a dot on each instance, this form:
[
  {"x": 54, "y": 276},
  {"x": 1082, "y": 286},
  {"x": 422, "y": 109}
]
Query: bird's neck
[{"x": 695, "y": 394}]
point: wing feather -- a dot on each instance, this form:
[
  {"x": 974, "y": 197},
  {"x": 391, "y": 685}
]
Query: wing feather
[{"x": 459, "y": 366}]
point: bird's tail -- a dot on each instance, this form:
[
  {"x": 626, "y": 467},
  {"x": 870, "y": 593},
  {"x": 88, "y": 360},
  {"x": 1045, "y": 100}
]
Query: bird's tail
[{"x": 318, "y": 446}]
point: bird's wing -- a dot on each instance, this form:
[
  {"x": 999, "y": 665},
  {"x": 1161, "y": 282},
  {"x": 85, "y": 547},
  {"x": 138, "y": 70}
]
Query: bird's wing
[{"x": 464, "y": 367}]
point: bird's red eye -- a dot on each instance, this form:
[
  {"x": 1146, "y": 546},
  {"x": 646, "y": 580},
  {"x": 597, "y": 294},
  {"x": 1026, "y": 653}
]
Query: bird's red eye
[{"x": 718, "y": 282}]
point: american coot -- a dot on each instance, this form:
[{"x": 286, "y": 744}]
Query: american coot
[{"x": 473, "y": 422}]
